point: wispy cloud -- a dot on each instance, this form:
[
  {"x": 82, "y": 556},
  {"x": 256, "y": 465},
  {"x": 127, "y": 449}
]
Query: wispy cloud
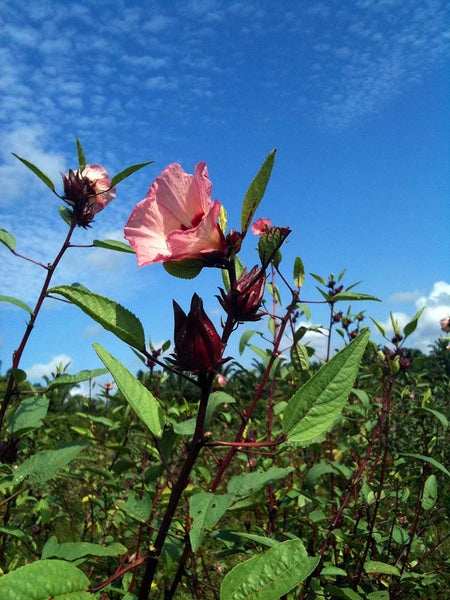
[{"x": 403, "y": 297}]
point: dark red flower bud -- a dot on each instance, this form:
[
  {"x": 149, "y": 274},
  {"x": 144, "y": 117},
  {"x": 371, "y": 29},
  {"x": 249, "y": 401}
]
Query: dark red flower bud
[
  {"x": 233, "y": 241},
  {"x": 404, "y": 363},
  {"x": 337, "y": 317},
  {"x": 397, "y": 338},
  {"x": 245, "y": 296},
  {"x": 198, "y": 346}
]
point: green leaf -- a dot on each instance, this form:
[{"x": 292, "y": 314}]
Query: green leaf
[
  {"x": 375, "y": 566},
  {"x": 305, "y": 310},
  {"x": 19, "y": 375},
  {"x": 138, "y": 508},
  {"x": 319, "y": 278},
  {"x": 43, "y": 466},
  {"x": 441, "y": 417},
  {"x": 127, "y": 172},
  {"x": 113, "y": 245},
  {"x": 243, "y": 342},
  {"x": 299, "y": 357},
  {"x": 81, "y": 156},
  {"x": 137, "y": 395},
  {"x": 299, "y": 272},
  {"x": 400, "y": 535},
  {"x": 332, "y": 571},
  {"x": 42, "y": 176},
  {"x": 238, "y": 267},
  {"x": 65, "y": 214},
  {"x": 317, "y": 404},
  {"x": 184, "y": 269},
  {"x": 111, "y": 315},
  {"x": 45, "y": 579},
  {"x": 341, "y": 275},
  {"x": 205, "y": 510},
  {"x": 14, "y": 531},
  {"x": 7, "y": 239},
  {"x": 352, "y": 296},
  {"x": 215, "y": 399},
  {"x": 256, "y": 191},
  {"x": 77, "y": 550},
  {"x": 185, "y": 427},
  {"x": 428, "y": 459},
  {"x": 250, "y": 483},
  {"x": 223, "y": 219},
  {"x": 410, "y": 327},
  {"x": 345, "y": 593},
  {"x": 84, "y": 375},
  {"x": 430, "y": 493},
  {"x": 379, "y": 327},
  {"x": 323, "y": 468},
  {"x": 269, "y": 244},
  {"x": 269, "y": 575},
  {"x": 17, "y": 302},
  {"x": 29, "y": 414}
]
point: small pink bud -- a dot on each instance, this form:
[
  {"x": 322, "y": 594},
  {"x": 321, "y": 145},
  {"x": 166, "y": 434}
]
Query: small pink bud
[
  {"x": 261, "y": 226},
  {"x": 445, "y": 324},
  {"x": 220, "y": 380}
]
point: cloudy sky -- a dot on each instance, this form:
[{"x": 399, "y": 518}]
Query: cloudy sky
[{"x": 353, "y": 95}]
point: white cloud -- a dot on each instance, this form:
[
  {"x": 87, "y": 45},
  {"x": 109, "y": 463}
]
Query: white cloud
[
  {"x": 39, "y": 370},
  {"x": 402, "y": 297},
  {"x": 436, "y": 305}
]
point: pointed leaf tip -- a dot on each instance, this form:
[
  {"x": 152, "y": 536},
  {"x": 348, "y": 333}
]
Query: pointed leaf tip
[
  {"x": 256, "y": 192},
  {"x": 127, "y": 172},
  {"x": 81, "y": 156},
  {"x": 42, "y": 176}
]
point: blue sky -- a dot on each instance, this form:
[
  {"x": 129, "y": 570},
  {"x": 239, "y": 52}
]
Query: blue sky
[{"x": 353, "y": 95}]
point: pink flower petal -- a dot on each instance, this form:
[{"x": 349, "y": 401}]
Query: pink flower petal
[
  {"x": 180, "y": 193},
  {"x": 261, "y": 225},
  {"x": 205, "y": 237},
  {"x": 100, "y": 178}
]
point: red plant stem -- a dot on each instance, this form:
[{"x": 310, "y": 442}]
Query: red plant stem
[
  {"x": 17, "y": 355},
  {"x": 394, "y": 519},
  {"x": 344, "y": 503},
  {"x": 386, "y": 410},
  {"x": 238, "y": 438},
  {"x": 412, "y": 530},
  {"x": 179, "y": 574},
  {"x": 198, "y": 441}
]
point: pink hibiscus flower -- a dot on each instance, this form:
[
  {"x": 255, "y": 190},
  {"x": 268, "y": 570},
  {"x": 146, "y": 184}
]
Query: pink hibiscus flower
[
  {"x": 261, "y": 226},
  {"x": 177, "y": 219}
]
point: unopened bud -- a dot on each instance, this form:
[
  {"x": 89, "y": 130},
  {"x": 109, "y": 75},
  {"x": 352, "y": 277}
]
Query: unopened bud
[
  {"x": 245, "y": 296},
  {"x": 198, "y": 346}
]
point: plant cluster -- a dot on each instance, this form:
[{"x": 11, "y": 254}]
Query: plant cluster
[{"x": 302, "y": 477}]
